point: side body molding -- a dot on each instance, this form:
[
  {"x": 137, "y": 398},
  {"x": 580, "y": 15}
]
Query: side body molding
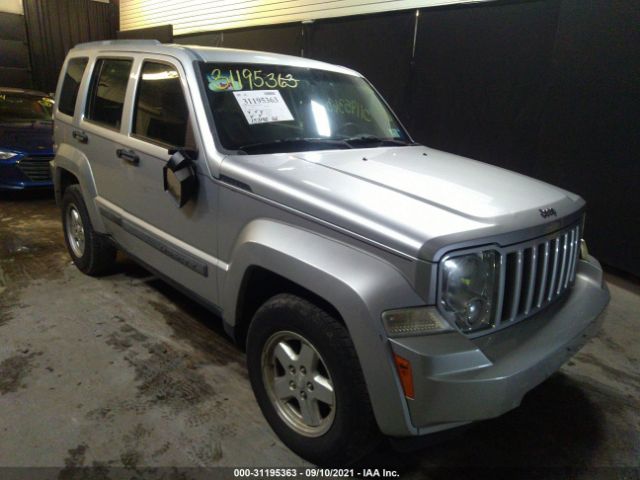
[
  {"x": 359, "y": 285},
  {"x": 74, "y": 161}
]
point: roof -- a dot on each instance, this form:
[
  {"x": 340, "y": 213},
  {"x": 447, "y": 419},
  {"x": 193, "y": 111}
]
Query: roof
[
  {"x": 24, "y": 91},
  {"x": 210, "y": 54}
]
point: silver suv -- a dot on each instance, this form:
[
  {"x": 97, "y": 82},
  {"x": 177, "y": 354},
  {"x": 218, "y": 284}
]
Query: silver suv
[{"x": 380, "y": 287}]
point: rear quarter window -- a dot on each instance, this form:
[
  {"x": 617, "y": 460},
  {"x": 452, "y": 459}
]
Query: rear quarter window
[
  {"x": 108, "y": 91},
  {"x": 71, "y": 84}
]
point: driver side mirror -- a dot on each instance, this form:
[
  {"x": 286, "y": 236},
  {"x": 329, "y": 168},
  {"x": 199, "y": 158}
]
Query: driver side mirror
[{"x": 179, "y": 176}]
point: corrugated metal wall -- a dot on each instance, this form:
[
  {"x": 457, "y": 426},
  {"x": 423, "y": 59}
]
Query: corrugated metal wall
[
  {"x": 54, "y": 27},
  {"x": 190, "y": 16}
]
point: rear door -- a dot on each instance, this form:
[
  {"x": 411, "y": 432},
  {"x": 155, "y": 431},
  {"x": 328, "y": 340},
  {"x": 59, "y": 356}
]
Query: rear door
[{"x": 99, "y": 133}]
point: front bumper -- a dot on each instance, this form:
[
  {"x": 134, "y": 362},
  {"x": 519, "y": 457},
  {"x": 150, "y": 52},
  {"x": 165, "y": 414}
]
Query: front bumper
[{"x": 458, "y": 380}]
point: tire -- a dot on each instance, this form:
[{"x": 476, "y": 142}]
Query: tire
[
  {"x": 338, "y": 434},
  {"x": 92, "y": 253}
]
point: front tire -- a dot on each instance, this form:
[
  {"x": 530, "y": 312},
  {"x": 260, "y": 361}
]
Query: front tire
[
  {"x": 91, "y": 252},
  {"x": 308, "y": 382}
]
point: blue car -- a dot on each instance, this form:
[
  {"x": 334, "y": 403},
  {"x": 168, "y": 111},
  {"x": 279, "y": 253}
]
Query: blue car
[{"x": 26, "y": 139}]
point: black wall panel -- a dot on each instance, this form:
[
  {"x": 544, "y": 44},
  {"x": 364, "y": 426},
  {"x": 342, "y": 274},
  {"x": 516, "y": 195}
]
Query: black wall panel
[
  {"x": 278, "y": 38},
  {"x": 481, "y": 77},
  {"x": 285, "y": 39},
  {"x": 589, "y": 140},
  {"x": 208, "y": 39},
  {"x": 163, "y": 33},
  {"x": 55, "y": 27},
  {"x": 378, "y": 46},
  {"x": 12, "y": 27},
  {"x": 14, "y": 53},
  {"x": 15, "y": 77}
]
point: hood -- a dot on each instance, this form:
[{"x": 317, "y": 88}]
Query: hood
[
  {"x": 28, "y": 137},
  {"x": 416, "y": 200}
]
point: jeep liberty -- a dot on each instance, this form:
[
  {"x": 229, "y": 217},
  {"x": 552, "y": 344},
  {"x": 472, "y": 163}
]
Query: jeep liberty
[{"x": 379, "y": 286}]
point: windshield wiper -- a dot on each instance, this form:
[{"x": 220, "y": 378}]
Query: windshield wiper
[
  {"x": 289, "y": 142},
  {"x": 366, "y": 139},
  {"x": 345, "y": 143}
]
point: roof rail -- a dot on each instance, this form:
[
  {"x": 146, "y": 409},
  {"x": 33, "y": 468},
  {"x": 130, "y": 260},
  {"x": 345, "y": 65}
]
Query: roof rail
[{"x": 104, "y": 43}]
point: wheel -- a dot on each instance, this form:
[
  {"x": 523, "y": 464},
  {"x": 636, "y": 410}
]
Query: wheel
[
  {"x": 308, "y": 382},
  {"x": 90, "y": 251}
]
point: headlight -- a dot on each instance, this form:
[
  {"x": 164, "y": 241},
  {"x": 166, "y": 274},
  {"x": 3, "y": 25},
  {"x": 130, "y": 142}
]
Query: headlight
[
  {"x": 5, "y": 155},
  {"x": 469, "y": 287}
]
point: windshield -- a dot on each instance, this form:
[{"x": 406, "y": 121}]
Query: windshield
[
  {"x": 273, "y": 108},
  {"x": 20, "y": 107}
]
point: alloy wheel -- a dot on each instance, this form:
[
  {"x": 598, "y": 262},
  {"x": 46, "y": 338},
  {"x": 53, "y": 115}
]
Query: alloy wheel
[
  {"x": 75, "y": 230},
  {"x": 298, "y": 383}
]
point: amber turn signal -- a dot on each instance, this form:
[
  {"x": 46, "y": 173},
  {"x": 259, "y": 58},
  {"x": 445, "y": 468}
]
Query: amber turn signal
[{"x": 406, "y": 375}]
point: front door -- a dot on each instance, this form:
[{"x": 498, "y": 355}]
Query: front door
[{"x": 179, "y": 242}]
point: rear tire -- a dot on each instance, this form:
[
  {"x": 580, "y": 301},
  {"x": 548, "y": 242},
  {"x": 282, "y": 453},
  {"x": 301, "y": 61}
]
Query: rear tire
[
  {"x": 308, "y": 382},
  {"x": 91, "y": 252}
]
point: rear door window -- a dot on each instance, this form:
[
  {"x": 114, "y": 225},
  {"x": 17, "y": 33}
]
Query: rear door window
[
  {"x": 71, "y": 84},
  {"x": 160, "y": 113},
  {"x": 108, "y": 91}
]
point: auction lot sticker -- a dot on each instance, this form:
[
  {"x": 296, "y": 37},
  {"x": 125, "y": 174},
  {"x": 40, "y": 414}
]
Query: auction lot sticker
[{"x": 263, "y": 106}]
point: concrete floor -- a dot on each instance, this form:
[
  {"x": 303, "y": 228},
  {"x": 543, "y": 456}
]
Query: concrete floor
[{"x": 126, "y": 371}]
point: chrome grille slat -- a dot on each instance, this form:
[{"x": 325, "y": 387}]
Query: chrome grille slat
[
  {"x": 535, "y": 274},
  {"x": 569, "y": 257},
  {"x": 554, "y": 268},
  {"x": 574, "y": 254},
  {"x": 532, "y": 279},
  {"x": 563, "y": 262},
  {"x": 543, "y": 277},
  {"x": 517, "y": 287},
  {"x": 503, "y": 270},
  {"x": 565, "y": 277}
]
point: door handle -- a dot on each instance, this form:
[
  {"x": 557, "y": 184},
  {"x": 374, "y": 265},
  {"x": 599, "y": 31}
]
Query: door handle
[
  {"x": 128, "y": 155},
  {"x": 80, "y": 136}
]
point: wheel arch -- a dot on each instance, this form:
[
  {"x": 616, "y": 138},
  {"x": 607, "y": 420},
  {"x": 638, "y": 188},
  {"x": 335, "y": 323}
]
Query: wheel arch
[
  {"x": 71, "y": 166},
  {"x": 348, "y": 282},
  {"x": 259, "y": 285},
  {"x": 65, "y": 179}
]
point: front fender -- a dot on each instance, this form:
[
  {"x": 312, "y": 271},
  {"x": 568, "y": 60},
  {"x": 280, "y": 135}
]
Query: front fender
[
  {"x": 359, "y": 285},
  {"x": 74, "y": 161}
]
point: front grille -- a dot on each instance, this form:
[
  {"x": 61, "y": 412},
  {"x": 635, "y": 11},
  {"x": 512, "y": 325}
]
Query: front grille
[
  {"x": 536, "y": 273},
  {"x": 36, "y": 169}
]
